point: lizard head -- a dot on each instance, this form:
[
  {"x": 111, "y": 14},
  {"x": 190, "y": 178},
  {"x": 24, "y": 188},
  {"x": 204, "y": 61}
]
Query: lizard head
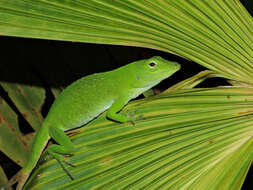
[{"x": 149, "y": 72}]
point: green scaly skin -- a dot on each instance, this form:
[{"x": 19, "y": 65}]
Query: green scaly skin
[{"x": 87, "y": 98}]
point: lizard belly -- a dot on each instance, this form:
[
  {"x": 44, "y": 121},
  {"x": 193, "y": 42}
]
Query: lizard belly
[
  {"x": 77, "y": 119},
  {"x": 73, "y": 115}
]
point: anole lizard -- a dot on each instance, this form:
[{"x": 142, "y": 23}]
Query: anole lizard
[{"x": 88, "y": 97}]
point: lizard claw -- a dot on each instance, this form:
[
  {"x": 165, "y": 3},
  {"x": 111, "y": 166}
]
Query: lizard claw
[
  {"x": 131, "y": 117},
  {"x": 66, "y": 171},
  {"x": 132, "y": 122},
  {"x": 70, "y": 164}
]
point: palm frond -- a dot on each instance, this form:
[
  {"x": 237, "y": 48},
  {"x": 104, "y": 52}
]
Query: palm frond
[
  {"x": 187, "y": 139},
  {"x": 215, "y": 34}
]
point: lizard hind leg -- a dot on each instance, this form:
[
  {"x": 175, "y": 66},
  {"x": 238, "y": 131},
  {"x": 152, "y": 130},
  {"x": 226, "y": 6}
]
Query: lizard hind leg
[{"x": 64, "y": 147}]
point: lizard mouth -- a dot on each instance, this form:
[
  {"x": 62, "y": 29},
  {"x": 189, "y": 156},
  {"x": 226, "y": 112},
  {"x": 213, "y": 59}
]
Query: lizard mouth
[{"x": 150, "y": 83}]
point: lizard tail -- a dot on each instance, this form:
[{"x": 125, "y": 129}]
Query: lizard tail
[
  {"x": 22, "y": 179},
  {"x": 19, "y": 177},
  {"x": 39, "y": 143}
]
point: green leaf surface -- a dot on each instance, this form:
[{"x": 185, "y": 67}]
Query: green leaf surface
[
  {"x": 192, "y": 81},
  {"x": 3, "y": 178},
  {"x": 215, "y": 34},
  {"x": 231, "y": 169},
  {"x": 185, "y": 140},
  {"x": 12, "y": 142},
  {"x": 28, "y": 100}
]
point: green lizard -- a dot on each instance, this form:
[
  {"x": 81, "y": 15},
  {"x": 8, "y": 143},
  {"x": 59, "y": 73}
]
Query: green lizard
[{"x": 85, "y": 99}]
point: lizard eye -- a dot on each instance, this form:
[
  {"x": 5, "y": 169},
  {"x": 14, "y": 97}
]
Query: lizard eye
[{"x": 152, "y": 64}]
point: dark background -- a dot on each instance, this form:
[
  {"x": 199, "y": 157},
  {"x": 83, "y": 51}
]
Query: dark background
[{"x": 49, "y": 63}]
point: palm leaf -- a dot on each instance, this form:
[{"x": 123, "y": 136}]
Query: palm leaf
[
  {"x": 184, "y": 140},
  {"x": 18, "y": 148},
  {"x": 215, "y": 34}
]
